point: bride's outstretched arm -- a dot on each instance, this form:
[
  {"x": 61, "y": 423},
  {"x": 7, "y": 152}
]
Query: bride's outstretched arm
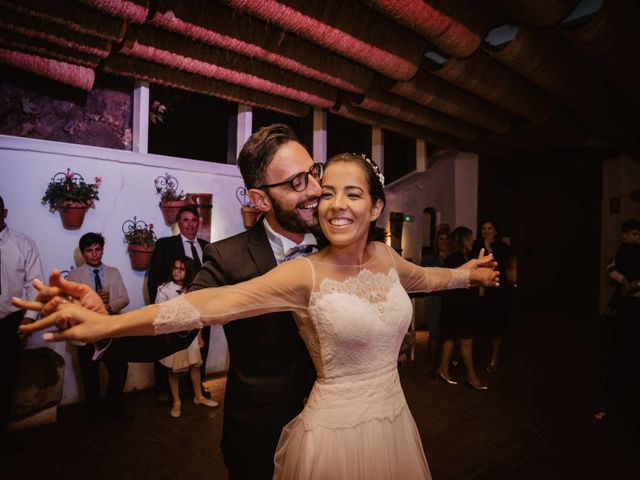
[
  {"x": 476, "y": 272},
  {"x": 286, "y": 287}
]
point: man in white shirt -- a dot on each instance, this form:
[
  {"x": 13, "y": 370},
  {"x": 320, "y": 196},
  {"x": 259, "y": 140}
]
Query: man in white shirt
[
  {"x": 19, "y": 266},
  {"x": 107, "y": 281}
]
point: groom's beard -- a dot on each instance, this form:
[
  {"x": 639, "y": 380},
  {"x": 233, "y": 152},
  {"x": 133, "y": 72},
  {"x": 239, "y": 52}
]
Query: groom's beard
[{"x": 291, "y": 220}]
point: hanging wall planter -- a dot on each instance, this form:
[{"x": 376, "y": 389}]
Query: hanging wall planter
[
  {"x": 141, "y": 240},
  {"x": 250, "y": 214},
  {"x": 70, "y": 195},
  {"x": 72, "y": 214},
  {"x": 171, "y": 209},
  {"x": 170, "y": 200},
  {"x": 140, "y": 256}
]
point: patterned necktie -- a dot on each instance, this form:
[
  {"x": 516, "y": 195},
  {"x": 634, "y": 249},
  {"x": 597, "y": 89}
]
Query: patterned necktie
[
  {"x": 96, "y": 274},
  {"x": 194, "y": 254},
  {"x": 301, "y": 250}
]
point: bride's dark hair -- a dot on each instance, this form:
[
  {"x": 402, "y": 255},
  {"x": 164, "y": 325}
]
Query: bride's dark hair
[{"x": 375, "y": 181}]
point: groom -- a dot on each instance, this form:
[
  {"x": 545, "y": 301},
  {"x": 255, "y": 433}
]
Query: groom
[{"x": 270, "y": 371}]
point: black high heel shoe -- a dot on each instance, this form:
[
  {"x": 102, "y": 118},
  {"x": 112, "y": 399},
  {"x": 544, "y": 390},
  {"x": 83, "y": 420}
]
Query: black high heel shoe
[{"x": 446, "y": 380}]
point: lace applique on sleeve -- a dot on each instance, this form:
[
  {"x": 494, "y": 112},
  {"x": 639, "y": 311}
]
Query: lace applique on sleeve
[
  {"x": 176, "y": 315},
  {"x": 459, "y": 279}
]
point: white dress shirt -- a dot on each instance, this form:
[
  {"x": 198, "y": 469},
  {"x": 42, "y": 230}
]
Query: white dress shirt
[
  {"x": 281, "y": 244},
  {"x": 19, "y": 266},
  {"x": 186, "y": 244}
]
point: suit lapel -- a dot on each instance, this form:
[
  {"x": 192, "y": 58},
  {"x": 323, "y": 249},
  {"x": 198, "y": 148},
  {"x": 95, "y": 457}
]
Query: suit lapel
[
  {"x": 85, "y": 277},
  {"x": 179, "y": 246},
  {"x": 260, "y": 249}
]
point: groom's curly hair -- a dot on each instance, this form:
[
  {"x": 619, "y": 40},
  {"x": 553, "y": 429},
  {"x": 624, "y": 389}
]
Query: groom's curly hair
[{"x": 259, "y": 150}]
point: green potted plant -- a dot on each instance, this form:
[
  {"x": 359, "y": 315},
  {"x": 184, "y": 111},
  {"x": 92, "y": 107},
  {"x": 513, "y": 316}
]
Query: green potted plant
[
  {"x": 170, "y": 199},
  {"x": 69, "y": 194},
  {"x": 141, "y": 240}
]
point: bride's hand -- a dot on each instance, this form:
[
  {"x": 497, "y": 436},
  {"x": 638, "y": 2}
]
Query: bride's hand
[
  {"x": 486, "y": 277},
  {"x": 483, "y": 261},
  {"x": 59, "y": 290},
  {"x": 73, "y": 322}
]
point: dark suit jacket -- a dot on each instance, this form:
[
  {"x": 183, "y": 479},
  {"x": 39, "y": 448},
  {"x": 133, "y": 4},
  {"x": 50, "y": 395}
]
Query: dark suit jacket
[
  {"x": 168, "y": 249},
  {"x": 270, "y": 371}
]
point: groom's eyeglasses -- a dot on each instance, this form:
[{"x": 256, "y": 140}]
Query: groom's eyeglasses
[{"x": 300, "y": 181}]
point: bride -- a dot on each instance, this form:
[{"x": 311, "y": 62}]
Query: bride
[{"x": 352, "y": 310}]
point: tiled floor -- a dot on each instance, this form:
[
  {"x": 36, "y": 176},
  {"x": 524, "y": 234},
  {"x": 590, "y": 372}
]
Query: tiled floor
[{"x": 535, "y": 422}]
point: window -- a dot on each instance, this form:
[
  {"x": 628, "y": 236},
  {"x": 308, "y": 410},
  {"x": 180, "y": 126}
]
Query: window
[
  {"x": 344, "y": 135},
  {"x": 190, "y": 125},
  {"x": 399, "y": 155},
  {"x": 302, "y": 126}
]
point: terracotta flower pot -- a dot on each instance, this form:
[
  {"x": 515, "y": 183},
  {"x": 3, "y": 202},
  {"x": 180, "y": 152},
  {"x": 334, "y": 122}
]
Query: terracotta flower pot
[
  {"x": 72, "y": 214},
  {"x": 250, "y": 216},
  {"x": 170, "y": 210},
  {"x": 140, "y": 256}
]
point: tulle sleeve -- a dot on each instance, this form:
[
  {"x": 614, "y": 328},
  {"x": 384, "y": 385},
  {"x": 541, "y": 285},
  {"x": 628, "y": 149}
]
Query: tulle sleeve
[
  {"x": 285, "y": 288},
  {"x": 415, "y": 278}
]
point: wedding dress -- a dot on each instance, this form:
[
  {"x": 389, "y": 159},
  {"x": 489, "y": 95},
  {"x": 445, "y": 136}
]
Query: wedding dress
[{"x": 356, "y": 423}]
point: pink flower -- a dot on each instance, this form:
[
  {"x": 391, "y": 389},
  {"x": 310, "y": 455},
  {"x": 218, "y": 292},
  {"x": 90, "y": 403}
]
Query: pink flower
[
  {"x": 69, "y": 174},
  {"x": 151, "y": 226},
  {"x": 98, "y": 181}
]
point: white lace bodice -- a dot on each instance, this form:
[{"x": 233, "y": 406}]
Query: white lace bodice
[{"x": 356, "y": 326}]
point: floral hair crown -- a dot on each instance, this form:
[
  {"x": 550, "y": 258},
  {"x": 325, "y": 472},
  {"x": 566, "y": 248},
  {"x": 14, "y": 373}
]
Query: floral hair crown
[{"x": 375, "y": 168}]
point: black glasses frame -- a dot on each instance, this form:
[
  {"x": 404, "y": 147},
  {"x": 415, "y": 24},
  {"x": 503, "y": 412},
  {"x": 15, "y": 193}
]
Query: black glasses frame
[{"x": 317, "y": 170}]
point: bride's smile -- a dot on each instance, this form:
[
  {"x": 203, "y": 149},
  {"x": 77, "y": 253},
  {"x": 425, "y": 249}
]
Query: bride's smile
[{"x": 346, "y": 210}]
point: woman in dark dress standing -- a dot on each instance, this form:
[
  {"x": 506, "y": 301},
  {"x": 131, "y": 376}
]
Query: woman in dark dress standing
[
  {"x": 495, "y": 302},
  {"x": 458, "y": 316}
]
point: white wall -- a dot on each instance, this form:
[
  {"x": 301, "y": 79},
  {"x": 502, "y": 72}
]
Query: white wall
[
  {"x": 620, "y": 177},
  {"x": 127, "y": 190},
  {"x": 450, "y": 185}
]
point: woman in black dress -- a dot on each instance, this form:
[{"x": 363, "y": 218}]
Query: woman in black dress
[
  {"x": 495, "y": 302},
  {"x": 458, "y": 316}
]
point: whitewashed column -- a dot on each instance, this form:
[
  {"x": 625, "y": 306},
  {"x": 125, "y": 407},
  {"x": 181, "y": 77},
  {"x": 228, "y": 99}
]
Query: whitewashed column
[
  {"x": 319, "y": 135},
  {"x": 140, "y": 127},
  {"x": 377, "y": 147}
]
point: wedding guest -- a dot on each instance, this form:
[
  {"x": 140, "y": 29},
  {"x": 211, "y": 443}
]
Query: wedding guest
[
  {"x": 494, "y": 303},
  {"x": 459, "y": 315},
  {"x": 19, "y": 266},
  {"x": 168, "y": 249},
  {"x": 435, "y": 258},
  {"x": 107, "y": 281},
  {"x": 189, "y": 359},
  {"x": 622, "y": 362}
]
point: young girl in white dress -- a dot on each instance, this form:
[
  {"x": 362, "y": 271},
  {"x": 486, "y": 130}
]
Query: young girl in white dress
[
  {"x": 352, "y": 310},
  {"x": 189, "y": 359}
]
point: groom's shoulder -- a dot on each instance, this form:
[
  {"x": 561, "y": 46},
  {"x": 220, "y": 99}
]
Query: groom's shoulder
[{"x": 233, "y": 243}]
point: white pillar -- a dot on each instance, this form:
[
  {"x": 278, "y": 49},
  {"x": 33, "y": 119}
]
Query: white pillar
[
  {"x": 245, "y": 123},
  {"x": 140, "y": 127},
  {"x": 240, "y": 124},
  {"x": 319, "y": 153},
  {"x": 377, "y": 147}
]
